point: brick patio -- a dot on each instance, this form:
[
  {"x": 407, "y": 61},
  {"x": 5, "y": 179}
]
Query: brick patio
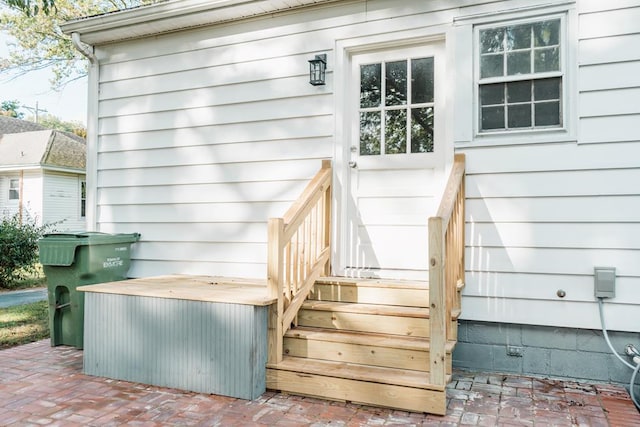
[{"x": 41, "y": 385}]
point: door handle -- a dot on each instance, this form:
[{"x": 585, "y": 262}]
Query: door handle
[{"x": 353, "y": 165}]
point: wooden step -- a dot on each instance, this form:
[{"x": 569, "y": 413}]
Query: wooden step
[
  {"x": 395, "y": 388},
  {"x": 386, "y": 319},
  {"x": 371, "y": 291},
  {"x": 392, "y": 351}
]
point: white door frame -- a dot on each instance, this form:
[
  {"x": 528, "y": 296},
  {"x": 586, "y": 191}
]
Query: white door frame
[{"x": 344, "y": 50}]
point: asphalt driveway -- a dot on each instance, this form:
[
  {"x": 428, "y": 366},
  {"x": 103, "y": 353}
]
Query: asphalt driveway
[{"x": 26, "y": 296}]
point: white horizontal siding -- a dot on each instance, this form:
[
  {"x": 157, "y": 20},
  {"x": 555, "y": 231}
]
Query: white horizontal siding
[
  {"x": 285, "y": 131},
  {"x": 213, "y": 131},
  {"x": 228, "y": 83},
  {"x": 146, "y": 268},
  {"x": 610, "y": 77},
  {"x": 608, "y": 23},
  {"x": 155, "y": 175},
  {"x": 185, "y": 213},
  {"x": 612, "y": 102},
  {"x": 6, "y": 209},
  {"x": 540, "y": 217},
  {"x": 610, "y": 129},
  {"x": 555, "y": 183},
  {"x": 555, "y": 209},
  {"x": 213, "y": 154},
  {"x": 570, "y": 314},
  {"x": 588, "y": 6},
  {"x": 212, "y": 232},
  {"x": 545, "y": 286},
  {"x": 61, "y": 201},
  {"x": 562, "y": 235},
  {"x": 605, "y": 50},
  {"x": 212, "y": 115},
  {"x": 552, "y": 157},
  {"x": 627, "y": 75},
  {"x": 9, "y": 208},
  {"x": 249, "y": 41},
  {"x": 186, "y": 251},
  {"x": 205, "y": 134},
  {"x": 32, "y": 197},
  {"x": 202, "y": 193},
  {"x": 552, "y": 260}
]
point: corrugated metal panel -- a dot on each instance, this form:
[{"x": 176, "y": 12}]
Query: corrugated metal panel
[{"x": 191, "y": 345}]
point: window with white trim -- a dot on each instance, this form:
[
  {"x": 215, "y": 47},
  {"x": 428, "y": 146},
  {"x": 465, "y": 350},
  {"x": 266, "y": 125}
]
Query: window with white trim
[
  {"x": 520, "y": 76},
  {"x": 14, "y": 189},
  {"x": 83, "y": 198}
]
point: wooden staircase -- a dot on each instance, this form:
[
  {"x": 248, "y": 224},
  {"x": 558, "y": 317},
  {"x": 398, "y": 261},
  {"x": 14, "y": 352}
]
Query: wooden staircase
[
  {"x": 376, "y": 342},
  {"x": 364, "y": 341}
]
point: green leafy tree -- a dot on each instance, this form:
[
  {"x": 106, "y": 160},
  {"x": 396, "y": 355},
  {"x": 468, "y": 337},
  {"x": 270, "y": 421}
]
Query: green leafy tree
[
  {"x": 10, "y": 109},
  {"x": 53, "y": 122},
  {"x": 18, "y": 249},
  {"x": 39, "y": 42},
  {"x": 31, "y": 8}
]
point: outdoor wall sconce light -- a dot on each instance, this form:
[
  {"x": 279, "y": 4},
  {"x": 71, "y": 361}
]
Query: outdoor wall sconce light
[{"x": 317, "y": 68}]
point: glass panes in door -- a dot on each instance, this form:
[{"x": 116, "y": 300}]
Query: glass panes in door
[{"x": 397, "y": 107}]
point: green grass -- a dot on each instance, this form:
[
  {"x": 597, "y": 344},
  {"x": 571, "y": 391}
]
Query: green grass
[
  {"x": 32, "y": 279},
  {"x": 23, "y": 324}
]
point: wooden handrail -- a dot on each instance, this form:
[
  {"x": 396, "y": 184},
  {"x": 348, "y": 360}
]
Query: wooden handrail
[
  {"x": 446, "y": 268},
  {"x": 298, "y": 253}
]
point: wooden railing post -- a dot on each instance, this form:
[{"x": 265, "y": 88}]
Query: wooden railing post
[
  {"x": 446, "y": 269},
  {"x": 437, "y": 303},
  {"x": 326, "y": 164},
  {"x": 275, "y": 288},
  {"x": 298, "y": 253}
]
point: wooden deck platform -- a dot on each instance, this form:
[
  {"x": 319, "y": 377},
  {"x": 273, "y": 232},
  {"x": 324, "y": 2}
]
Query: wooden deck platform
[{"x": 193, "y": 288}]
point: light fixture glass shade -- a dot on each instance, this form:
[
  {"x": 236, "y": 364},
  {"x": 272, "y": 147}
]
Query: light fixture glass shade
[{"x": 317, "y": 68}]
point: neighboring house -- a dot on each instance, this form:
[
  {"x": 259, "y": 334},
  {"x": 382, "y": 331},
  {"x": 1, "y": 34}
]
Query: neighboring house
[
  {"x": 203, "y": 125},
  {"x": 42, "y": 175}
]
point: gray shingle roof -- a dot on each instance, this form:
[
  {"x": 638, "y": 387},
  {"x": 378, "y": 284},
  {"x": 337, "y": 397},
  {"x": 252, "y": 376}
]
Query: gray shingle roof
[
  {"x": 41, "y": 148},
  {"x": 12, "y": 125}
]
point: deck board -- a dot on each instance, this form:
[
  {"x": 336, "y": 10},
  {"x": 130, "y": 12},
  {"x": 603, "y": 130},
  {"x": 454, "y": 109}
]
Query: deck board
[{"x": 194, "y": 288}]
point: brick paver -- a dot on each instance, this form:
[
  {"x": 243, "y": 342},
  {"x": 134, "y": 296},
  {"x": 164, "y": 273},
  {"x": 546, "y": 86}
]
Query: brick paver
[{"x": 41, "y": 385}]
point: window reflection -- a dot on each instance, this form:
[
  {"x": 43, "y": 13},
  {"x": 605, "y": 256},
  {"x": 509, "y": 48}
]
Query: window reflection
[{"x": 404, "y": 123}]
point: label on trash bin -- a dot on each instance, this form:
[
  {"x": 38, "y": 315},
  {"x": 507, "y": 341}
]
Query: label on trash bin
[{"x": 113, "y": 262}]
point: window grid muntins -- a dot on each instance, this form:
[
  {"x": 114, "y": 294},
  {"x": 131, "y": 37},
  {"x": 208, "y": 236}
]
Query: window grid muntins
[
  {"x": 396, "y": 107},
  {"x": 520, "y": 79},
  {"x": 14, "y": 189}
]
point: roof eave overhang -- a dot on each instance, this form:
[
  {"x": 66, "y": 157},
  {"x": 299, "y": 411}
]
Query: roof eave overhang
[
  {"x": 172, "y": 16},
  {"x": 51, "y": 168},
  {"x": 65, "y": 169},
  {"x": 18, "y": 168}
]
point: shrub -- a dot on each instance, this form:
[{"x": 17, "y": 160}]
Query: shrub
[{"x": 18, "y": 249}]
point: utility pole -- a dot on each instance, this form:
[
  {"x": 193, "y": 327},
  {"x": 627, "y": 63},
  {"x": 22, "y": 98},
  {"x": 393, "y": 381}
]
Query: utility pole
[{"x": 35, "y": 110}]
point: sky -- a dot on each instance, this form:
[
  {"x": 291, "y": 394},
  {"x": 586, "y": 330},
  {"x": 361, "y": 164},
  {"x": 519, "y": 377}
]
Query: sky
[{"x": 70, "y": 104}]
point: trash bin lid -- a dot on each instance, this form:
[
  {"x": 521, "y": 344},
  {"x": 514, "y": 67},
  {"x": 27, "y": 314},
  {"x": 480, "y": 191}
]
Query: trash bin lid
[{"x": 59, "y": 249}]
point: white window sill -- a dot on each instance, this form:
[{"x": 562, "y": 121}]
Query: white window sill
[{"x": 547, "y": 136}]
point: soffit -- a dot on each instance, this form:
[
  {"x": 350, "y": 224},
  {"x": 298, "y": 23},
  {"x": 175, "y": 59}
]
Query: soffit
[{"x": 172, "y": 16}]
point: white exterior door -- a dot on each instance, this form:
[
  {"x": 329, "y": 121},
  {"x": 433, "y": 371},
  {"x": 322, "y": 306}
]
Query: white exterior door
[{"x": 395, "y": 161}]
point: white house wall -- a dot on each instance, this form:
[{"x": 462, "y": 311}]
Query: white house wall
[
  {"x": 218, "y": 129},
  {"x": 540, "y": 217},
  {"x": 31, "y": 195},
  {"x": 61, "y": 199},
  {"x": 205, "y": 134},
  {"x": 5, "y": 208}
]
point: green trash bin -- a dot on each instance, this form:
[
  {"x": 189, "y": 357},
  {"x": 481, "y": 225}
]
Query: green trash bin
[{"x": 77, "y": 259}]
